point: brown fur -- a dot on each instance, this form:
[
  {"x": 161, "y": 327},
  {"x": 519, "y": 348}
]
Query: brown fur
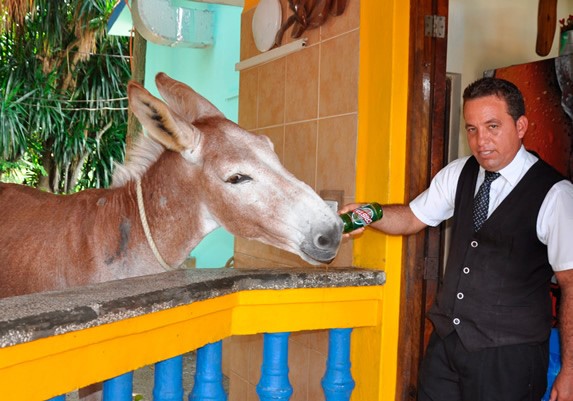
[{"x": 190, "y": 186}]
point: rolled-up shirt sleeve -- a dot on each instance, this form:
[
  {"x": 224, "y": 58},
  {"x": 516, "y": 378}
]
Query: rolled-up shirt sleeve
[
  {"x": 436, "y": 203},
  {"x": 555, "y": 225}
]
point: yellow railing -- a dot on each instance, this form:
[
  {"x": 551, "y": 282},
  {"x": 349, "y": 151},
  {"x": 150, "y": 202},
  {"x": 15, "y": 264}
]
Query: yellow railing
[{"x": 54, "y": 343}]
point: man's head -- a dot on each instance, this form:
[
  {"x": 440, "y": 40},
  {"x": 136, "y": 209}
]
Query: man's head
[{"x": 494, "y": 112}]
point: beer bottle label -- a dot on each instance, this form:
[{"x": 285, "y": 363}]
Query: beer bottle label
[{"x": 361, "y": 217}]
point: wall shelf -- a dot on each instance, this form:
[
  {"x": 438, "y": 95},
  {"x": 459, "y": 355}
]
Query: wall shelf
[{"x": 272, "y": 54}]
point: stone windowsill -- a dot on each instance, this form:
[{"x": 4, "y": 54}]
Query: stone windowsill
[{"x": 30, "y": 317}]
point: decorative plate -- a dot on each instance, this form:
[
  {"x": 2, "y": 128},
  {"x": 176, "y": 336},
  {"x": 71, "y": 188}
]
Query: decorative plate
[{"x": 266, "y": 23}]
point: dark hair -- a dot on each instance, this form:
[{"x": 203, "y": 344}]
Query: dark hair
[{"x": 501, "y": 88}]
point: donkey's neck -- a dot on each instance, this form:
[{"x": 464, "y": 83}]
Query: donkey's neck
[{"x": 176, "y": 217}]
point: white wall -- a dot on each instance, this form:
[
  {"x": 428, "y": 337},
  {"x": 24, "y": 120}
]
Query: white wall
[{"x": 487, "y": 34}]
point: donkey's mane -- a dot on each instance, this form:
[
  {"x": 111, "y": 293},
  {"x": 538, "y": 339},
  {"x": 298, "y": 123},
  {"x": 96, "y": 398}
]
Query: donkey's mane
[{"x": 143, "y": 155}]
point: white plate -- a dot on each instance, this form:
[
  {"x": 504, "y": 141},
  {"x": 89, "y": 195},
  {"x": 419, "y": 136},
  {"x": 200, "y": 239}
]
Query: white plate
[{"x": 266, "y": 23}]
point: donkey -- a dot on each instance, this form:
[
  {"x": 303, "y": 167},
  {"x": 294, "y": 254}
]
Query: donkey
[{"x": 193, "y": 172}]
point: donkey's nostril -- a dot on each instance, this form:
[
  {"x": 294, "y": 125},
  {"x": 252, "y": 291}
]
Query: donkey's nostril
[
  {"x": 323, "y": 246},
  {"x": 322, "y": 241}
]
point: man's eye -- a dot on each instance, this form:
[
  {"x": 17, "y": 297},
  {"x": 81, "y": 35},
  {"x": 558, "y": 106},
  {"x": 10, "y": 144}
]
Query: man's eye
[{"x": 238, "y": 178}]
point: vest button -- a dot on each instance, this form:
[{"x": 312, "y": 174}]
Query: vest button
[
  {"x": 474, "y": 244},
  {"x": 460, "y": 295},
  {"x": 466, "y": 270},
  {"x": 456, "y": 321}
]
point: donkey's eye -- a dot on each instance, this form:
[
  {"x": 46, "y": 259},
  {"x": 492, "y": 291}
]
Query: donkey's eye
[{"x": 238, "y": 179}]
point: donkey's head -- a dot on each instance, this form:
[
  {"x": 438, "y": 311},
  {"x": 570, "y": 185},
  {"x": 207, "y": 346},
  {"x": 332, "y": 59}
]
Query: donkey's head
[{"x": 241, "y": 183}]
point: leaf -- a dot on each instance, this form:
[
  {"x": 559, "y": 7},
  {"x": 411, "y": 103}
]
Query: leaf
[{"x": 55, "y": 93}]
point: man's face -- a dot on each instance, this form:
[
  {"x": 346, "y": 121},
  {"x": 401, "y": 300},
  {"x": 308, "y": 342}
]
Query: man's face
[{"x": 493, "y": 137}]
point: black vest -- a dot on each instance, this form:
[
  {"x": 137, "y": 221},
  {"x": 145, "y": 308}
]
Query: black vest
[{"x": 495, "y": 289}]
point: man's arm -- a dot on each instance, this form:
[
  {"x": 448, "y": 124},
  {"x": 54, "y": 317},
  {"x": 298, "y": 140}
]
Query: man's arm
[
  {"x": 396, "y": 220},
  {"x": 563, "y": 386}
]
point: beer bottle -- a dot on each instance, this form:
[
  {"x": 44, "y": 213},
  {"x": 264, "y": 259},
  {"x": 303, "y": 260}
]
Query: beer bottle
[{"x": 361, "y": 217}]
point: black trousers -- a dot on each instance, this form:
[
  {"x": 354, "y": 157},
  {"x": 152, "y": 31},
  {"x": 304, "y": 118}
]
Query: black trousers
[{"x": 510, "y": 373}]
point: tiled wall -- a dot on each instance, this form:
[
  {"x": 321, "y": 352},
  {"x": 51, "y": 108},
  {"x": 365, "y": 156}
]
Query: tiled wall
[
  {"x": 307, "y": 103},
  {"x": 306, "y": 359}
]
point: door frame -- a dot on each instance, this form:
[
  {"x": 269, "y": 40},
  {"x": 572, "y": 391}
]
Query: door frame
[{"x": 426, "y": 155}]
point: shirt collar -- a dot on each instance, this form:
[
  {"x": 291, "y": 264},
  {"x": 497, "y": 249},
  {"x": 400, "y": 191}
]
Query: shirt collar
[{"x": 515, "y": 170}]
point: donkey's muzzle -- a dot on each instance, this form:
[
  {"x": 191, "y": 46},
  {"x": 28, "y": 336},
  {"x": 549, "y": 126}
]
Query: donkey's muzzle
[{"x": 322, "y": 246}]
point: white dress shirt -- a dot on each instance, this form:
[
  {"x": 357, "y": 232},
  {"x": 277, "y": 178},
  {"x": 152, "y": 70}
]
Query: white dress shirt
[{"x": 555, "y": 219}]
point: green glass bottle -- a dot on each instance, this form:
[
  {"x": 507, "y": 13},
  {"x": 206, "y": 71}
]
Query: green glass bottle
[{"x": 361, "y": 217}]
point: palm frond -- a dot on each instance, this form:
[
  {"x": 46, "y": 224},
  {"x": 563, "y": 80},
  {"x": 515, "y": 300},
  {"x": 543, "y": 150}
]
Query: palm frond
[{"x": 62, "y": 70}]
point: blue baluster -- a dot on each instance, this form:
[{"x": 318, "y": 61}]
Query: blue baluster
[
  {"x": 58, "y": 398},
  {"x": 337, "y": 382},
  {"x": 274, "y": 384},
  {"x": 554, "y": 362},
  {"x": 119, "y": 388},
  {"x": 208, "y": 384},
  {"x": 168, "y": 385}
]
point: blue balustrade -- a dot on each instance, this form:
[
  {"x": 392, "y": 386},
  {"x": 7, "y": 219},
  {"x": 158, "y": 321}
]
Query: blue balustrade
[
  {"x": 119, "y": 388},
  {"x": 337, "y": 382},
  {"x": 274, "y": 384},
  {"x": 168, "y": 381},
  {"x": 208, "y": 384}
]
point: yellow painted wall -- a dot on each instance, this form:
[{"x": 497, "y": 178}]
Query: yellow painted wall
[{"x": 381, "y": 172}]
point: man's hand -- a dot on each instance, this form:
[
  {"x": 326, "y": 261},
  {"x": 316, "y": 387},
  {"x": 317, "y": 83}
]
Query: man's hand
[
  {"x": 562, "y": 387},
  {"x": 348, "y": 208}
]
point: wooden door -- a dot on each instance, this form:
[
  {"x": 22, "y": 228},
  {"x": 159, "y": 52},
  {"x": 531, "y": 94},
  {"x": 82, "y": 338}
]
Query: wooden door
[{"x": 427, "y": 140}]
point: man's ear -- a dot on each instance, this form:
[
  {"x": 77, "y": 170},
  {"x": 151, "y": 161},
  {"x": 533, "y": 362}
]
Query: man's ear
[{"x": 522, "y": 123}]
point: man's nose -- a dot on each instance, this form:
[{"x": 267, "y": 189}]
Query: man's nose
[{"x": 482, "y": 136}]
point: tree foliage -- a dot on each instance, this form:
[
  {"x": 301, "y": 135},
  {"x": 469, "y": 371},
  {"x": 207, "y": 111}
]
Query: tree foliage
[{"x": 63, "y": 110}]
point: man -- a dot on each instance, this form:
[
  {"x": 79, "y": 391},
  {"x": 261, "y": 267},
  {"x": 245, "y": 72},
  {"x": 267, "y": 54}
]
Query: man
[{"x": 492, "y": 315}]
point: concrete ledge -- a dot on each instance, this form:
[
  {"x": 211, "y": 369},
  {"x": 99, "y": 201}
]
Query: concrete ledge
[{"x": 30, "y": 317}]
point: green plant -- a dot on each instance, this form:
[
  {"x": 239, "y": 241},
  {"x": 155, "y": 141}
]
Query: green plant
[{"x": 63, "y": 111}]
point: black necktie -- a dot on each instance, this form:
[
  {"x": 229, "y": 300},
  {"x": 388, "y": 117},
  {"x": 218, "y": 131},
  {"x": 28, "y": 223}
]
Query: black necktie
[{"x": 481, "y": 200}]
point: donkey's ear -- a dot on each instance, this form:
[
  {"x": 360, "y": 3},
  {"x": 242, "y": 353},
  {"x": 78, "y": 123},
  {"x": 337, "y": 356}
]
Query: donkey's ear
[
  {"x": 185, "y": 101},
  {"x": 162, "y": 123}
]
